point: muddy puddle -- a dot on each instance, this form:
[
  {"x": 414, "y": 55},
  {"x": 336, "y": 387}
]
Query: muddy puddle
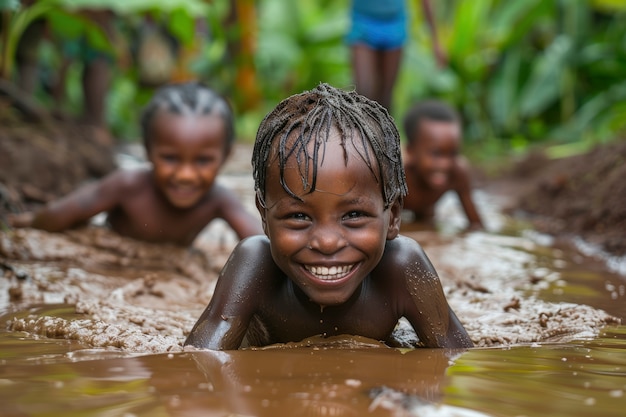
[{"x": 93, "y": 324}]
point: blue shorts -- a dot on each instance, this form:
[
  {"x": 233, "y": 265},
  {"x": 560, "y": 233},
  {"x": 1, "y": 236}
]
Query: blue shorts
[{"x": 376, "y": 33}]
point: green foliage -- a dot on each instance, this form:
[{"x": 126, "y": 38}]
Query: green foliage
[
  {"x": 10, "y": 5},
  {"x": 519, "y": 71},
  {"x": 527, "y": 71},
  {"x": 301, "y": 45}
]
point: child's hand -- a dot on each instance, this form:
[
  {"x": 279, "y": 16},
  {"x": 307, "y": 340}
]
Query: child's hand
[{"x": 21, "y": 219}]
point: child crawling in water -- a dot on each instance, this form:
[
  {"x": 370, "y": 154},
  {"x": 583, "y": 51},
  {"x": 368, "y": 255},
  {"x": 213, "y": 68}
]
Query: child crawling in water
[
  {"x": 188, "y": 132},
  {"x": 433, "y": 164},
  {"x": 329, "y": 187}
]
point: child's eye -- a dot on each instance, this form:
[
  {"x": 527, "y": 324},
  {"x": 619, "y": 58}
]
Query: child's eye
[
  {"x": 353, "y": 215},
  {"x": 204, "y": 160},
  {"x": 169, "y": 158},
  {"x": 296, "y": 220},
  {"x": 299, "y": 216}
]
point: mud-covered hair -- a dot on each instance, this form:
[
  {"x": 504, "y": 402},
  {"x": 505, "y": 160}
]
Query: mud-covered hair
[
  {"x": 427, "y": 110},
  {"x": 187, "y": 99},
  {"x": 310, "y": 117}
]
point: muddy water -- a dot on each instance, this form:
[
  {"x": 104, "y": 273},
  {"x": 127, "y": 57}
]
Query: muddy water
[{"x": 92, "y": 324}]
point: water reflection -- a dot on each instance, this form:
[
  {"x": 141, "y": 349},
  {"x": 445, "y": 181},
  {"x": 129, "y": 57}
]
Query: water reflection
[
  {"x": 576, "y": 379},
  {"x": 320, "y": 380},
  {"x": 580, "y": 378}
]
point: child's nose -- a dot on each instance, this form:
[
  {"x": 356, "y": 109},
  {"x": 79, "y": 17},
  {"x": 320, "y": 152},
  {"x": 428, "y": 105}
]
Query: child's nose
[
  {"x": 186, "y": 172},
  {"x": 445, "y": 162},
  {"x": 327, "y": 239}
]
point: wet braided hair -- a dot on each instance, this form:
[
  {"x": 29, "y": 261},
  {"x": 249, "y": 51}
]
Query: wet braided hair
[
  {"x": 308, "y": 118},
  {"x": 187, "y": 99},
  {"x": 427, "y": 110}
]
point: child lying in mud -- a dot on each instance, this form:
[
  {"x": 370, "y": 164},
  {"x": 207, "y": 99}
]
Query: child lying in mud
[
  {"x": 188, "y": 133},
  {"x": 432, "y": 162},
  {"x": 330, "y": 184}
]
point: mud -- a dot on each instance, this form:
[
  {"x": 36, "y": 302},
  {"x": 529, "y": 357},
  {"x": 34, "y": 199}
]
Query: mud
[
  {"x": 143, "y": 298},
  {"x": 578, "y": 196},
  {"x": 93, "y": 323}
]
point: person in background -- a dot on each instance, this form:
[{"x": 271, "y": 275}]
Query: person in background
[
  {"x": 329, "y": 188},
  {"x": 433, "y": 163},
  {"x": 96, "y": 64},
  {"x": 376, "y": 39},
  {"x": 188, "y": 132}
]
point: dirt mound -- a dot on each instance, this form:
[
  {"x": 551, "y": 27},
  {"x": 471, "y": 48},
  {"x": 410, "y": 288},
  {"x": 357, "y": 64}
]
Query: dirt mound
[
  {"x": 581, "y": 195},
  {"x": 45, "y": 159}
]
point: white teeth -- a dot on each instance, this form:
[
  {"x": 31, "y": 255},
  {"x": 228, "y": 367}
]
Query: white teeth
[{"x": 326, "y": 273}]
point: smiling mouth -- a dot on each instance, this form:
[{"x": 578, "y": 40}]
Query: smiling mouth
[
  {"x": 328, "y": 274},
  {"x": 184, "y": 191}
]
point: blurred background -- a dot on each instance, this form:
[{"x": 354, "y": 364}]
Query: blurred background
[{"x": 521, "y": 72}]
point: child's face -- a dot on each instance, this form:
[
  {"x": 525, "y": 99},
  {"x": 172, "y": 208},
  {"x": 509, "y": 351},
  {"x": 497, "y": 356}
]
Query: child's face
[
  {"x": 187, "y": 153},
  {"x": 433, "y": 152},
  {"x": 332, "y": 239}
]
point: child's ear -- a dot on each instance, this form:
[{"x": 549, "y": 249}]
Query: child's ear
[
  {"x": 262, "y": 212},
  {"x": 395, "y": 216}
]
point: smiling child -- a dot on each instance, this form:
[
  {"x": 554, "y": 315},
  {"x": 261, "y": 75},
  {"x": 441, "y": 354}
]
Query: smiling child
[
  {"x": 433, "y": 164},
  {"x": 329, "y": 182},
  {"x": 188, "y": 133}
]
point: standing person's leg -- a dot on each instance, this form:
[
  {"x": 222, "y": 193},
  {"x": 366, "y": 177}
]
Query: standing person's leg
[
  {"x": 365, "y": 71},
  {"x": 26, "y": 56},
  {"x": 390, "y": 65},
  {"x": 96, "y": 81}
]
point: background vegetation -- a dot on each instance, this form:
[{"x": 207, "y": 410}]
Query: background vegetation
[{"x": 521, "y": 72}]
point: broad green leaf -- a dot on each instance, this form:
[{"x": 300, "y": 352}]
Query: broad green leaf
[
  {"x": 182, "y": 25},
  {"x": 470, "y": 22},
  {"x": 544, "y": 86},
  {"x": 591, "y": 109},
  {"x": 514, "y": 20},
  {"x": 502, "y": 92}
]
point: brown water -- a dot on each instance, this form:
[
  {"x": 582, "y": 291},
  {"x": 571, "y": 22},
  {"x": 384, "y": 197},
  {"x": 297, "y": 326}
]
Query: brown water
[{"x": 92, "y": 325}]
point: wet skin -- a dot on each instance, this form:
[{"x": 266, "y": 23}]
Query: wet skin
[
  {"x": 332, "y": 263},
  {"x": 433, "y": 167},
  {"x": 172, "y": 201}
]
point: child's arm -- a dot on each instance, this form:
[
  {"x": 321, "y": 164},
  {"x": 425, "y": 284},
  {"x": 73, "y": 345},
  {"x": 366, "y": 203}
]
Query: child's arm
[
  {"x": 237, "y": 295},
  {"x": 464, "y": 190},
  {"x": 75, "y": 208},
  {"x": 420, "y": 295},
  {"x": 236, "y": 215}
]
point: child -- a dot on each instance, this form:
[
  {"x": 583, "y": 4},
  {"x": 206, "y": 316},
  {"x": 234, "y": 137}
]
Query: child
[
  {"x": 432, "y": 162},
  {"x": 188, "y": 133},
  {"x": 329, "y": 182}
]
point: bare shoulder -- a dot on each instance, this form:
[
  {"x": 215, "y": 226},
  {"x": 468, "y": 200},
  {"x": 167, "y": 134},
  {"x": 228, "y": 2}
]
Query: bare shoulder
[
  {"x": 462, "y": 173},
  {"x": 251, "y": 264},
  {"x": 462, "y": 165},
  {"x": 254, "y": 251},
  {"x": 223, "y": 195},
  {"x": 128, "y": 179},
  {"x": 125, "y": 182},
  {"x": 404, "y": 256},
  {"x": 258, "y": 244},
  {"x": 403, "y": 246}
]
